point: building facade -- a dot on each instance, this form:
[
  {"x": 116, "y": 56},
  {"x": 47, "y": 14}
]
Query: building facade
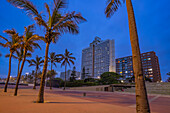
[
  {"x": 68, "y": 75},
  {"x": 150, "y": 65},
  {"x": 99, "y": 57}
]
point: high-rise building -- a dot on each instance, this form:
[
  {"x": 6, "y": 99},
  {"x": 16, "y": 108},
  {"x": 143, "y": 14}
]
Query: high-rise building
[
  {"x": 99, "y": 57},
  {"x": 150, "y": 65}
]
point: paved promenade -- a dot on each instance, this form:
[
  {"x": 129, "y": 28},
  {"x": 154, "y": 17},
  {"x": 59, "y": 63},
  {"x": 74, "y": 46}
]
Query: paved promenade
[{"x": 58, "y": 101}]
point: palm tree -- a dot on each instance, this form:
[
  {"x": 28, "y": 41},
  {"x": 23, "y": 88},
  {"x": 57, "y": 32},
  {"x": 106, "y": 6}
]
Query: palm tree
[
  {"x": 142, "y": 105},
  {"x": 56, "y": 24},
  {"x": 66, "y": 59},
  {"x": 53, "y": 58},
  {"x": 37, "y": 63},
  {"x": 28, "y": 44},
  {"x": 19, "y": 56},
  {"x": 12, "y": 44}
]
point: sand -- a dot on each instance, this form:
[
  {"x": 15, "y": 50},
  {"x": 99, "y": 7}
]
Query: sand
[{"x": 54, "y": 103}]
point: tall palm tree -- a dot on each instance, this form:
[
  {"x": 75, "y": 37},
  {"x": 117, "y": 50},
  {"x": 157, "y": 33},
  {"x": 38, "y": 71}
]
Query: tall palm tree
[
  {"x": 53, "y": 59},
  {"x": 37, "y": 63},
  {"x": 56, "y": 24},
  {"x": 19, "y": 56},
  {"x": 142, "y": 105},
  {"x": 12, "y": 44},
  {"x": 66, "y": 59},
  {"x": 28, "y": 44}
]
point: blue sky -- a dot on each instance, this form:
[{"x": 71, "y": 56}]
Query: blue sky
[{"x": 153, "y": 25}]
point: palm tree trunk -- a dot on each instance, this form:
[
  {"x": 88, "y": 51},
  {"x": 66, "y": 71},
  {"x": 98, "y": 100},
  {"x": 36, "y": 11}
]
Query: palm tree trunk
[
  {"x": 18, "y": 66},
  {"x": 50, "y": 77},
  {"x": 9, "y": 73},
  {"x": 142, "y": 105},
  {"x": 20, "y": 72},
  {"x": 41, "y": 91},
  {"x": 65, "y": 77},
  {"x": 35, "y": 77}
]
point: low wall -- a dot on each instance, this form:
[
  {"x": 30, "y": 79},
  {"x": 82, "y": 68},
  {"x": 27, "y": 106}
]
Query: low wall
[{"x": 91, "y": 88}]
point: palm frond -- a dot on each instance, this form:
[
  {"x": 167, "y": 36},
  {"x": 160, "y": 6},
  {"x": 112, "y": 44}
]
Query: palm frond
[
  {"x": 29, "y": 30},
  {"x": 3, "y": 45},
  {"x": 4, "y": 38},
  {"x": 63, "y": 63},
  {"x": 54, "y": 64},
  {"x": 31, "y": 65},
  {"x": 72, "y": 58},
  {"x": 28, "y": 55},
  {"x": 27, "y": 6},
  {"x": 10, "y": 32},
  {"x": 49, "y": 15},
  {"x": 29, "y": 61},
  {"x": 68, "y": 63},
  {"x": 77, "y": 17},
  {"x": 42, "y": 61},
  {"x": 68, "y": 26},
  {"x": 58, "y": 4},
  {"x": 36, "y": 45},
  {"x": 41, "y": 22},
  {"x": 7, "y": 55},
  {"x": 112, "y": 7},
  {"x": 33, "y": 61},
  {"x": 71, "y": 61}
]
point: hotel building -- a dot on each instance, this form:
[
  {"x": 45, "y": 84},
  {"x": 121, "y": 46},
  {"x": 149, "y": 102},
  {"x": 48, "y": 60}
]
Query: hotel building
[
  {"x": 150, "y": 65},
  {"x": 99, "y": 57}
]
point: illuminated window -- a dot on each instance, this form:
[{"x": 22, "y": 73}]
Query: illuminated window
[
  {"x": 150, "y": 69},
  {"x": 120, "y": 72},
  {"x": 149, "y": 58}
]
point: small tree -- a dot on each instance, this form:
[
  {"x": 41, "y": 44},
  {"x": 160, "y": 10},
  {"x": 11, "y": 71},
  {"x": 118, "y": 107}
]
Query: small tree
[
  {"x": 51, "y": 74},
  {"x": 30, "y": 77},
  {"x": 110, "y": 78},
  {"x": 73, "y": 75}
]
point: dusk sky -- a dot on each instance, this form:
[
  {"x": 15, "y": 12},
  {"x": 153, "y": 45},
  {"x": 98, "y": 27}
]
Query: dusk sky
[{"x": 153, "y": 25}]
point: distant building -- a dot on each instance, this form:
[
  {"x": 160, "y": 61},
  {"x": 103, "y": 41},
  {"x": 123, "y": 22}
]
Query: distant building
[
  {"x": 99, "y": 57},
  {"x": 150, "y": 65},
  {"x": 68, "y": 75}
]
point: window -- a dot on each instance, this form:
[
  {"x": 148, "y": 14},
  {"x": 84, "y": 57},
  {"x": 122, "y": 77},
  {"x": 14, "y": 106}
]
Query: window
[
  {"x": 149, "y": 58},
  {"x": 150, "y": 69}
]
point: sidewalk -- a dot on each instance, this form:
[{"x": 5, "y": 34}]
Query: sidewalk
[{"x": 54, "y": 103}]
